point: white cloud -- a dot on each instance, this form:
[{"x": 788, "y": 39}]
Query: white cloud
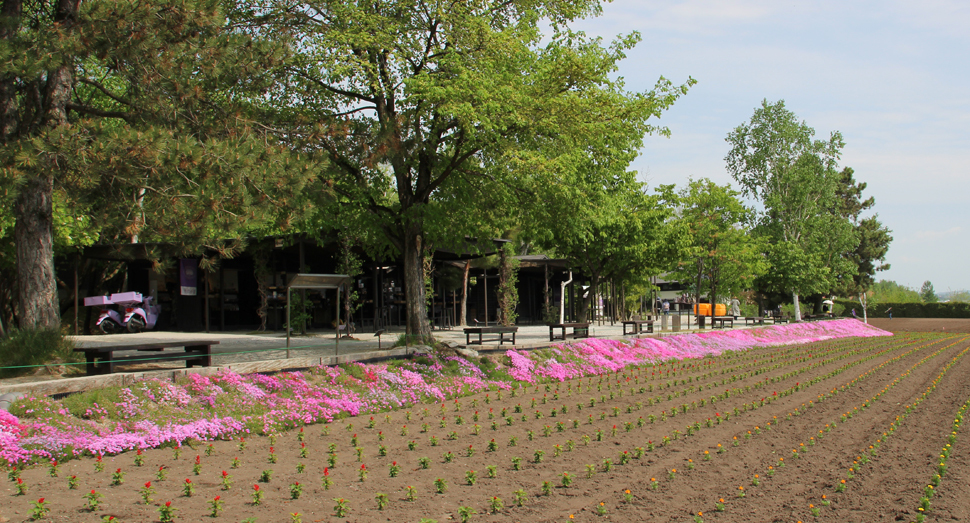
[{"x": 937, "y": 234}]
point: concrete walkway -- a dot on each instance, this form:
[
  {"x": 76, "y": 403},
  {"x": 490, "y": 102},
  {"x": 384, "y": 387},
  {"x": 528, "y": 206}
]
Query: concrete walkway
[{"x": 236, "y": 347}]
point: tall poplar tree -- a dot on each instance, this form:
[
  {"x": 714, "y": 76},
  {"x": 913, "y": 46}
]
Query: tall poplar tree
[{"x": 776, "y": 159}]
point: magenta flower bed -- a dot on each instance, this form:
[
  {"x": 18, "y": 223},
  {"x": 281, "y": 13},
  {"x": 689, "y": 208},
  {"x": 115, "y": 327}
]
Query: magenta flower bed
[
  {"x": 593, "y": 356},
  {"x": 153, "y": 412}
]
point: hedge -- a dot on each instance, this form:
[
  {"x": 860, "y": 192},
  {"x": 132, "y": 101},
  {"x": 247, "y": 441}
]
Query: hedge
[{"x": 910, "y": 310}]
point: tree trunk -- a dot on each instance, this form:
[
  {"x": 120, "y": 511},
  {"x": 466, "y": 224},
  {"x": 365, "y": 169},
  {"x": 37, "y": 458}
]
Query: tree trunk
[
  {"x": 418, "y": 326},
  {"x": 36, "y": 285},
  {"x": 798, "y": 308},
  {"x": 713, "y": 299},
  {"x": 463, "y": 312},
  {"x": 33, "y": 208}
]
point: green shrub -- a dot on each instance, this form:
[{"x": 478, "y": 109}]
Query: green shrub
[
  {"x": 910, "y": 310},
  {"x": 33, "y": 347}
]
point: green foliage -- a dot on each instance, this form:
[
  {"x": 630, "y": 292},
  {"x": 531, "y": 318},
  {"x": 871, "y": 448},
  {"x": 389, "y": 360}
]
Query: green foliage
[
  {"x": 874, "y": 238},
  {"x": 508, "y": 294},
  {"x": 958, "y": 296},
  {"x": 720, "y": 247},
  {"x": 776, "y": 160},
  {"x": 910, "y": 309},
  {"x": 451, "y": 122},
  {"x": 33, "y": 347},
  {"x": 927, "y": 294},
  {"x": 886, "y": 291}
]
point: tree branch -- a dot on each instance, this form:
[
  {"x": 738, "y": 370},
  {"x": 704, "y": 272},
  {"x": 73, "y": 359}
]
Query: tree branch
[{"x": 83, "y": 109}]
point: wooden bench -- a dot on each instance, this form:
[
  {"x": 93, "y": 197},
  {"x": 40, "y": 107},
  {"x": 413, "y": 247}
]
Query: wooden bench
[
  {"x": 102, "y": 360},
  {"x": 637, "y": 326},
  {"x": 780, "y": 319},
  {"x": 754, "y": 320},
  {"x": 501, "y": 331},
  {"x": 722, "y": 320},
  {"x": 580, "y": 330}
]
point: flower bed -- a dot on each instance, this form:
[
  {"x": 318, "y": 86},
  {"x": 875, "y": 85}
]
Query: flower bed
[{"x": 153, "y": 413}]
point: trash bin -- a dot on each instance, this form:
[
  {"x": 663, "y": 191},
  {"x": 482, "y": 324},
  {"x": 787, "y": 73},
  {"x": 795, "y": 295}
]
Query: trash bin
[
  {"x": 701, "y": 321},
  {"x": 675, "y": 323},
  {"x": 663, "y": 322}
]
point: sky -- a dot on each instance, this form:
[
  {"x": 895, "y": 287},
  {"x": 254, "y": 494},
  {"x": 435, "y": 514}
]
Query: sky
[{"x": 892, "y": 76}]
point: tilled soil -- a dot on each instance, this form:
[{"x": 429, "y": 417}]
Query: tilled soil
[{"x": 790, "y": 422}]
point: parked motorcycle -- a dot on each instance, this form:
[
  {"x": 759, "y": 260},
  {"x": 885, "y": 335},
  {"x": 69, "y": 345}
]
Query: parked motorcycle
[
  {"x": 110, "y": 321},
  {"x": 140, "y": 312}
]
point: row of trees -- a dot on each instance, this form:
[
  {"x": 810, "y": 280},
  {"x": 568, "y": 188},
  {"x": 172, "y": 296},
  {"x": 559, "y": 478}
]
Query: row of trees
[{"x": 407, "y": 125}]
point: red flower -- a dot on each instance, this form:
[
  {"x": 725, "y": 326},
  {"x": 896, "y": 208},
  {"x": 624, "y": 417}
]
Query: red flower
[
  {"x": 117, "y": 471},
  {"x": 198, "y": 460},
  {"x": 168, "y": 503},
  {"x": 326, "y": 471},
  {"x": 92, "y": 491},
  {"x": 217, "y": 498},
  {"x": 394, "y": 463},
  {"x": 41, "y": 500},
  {"x": 271, "y": 448},
  {"x": 188, "y": 481},
  {"x": 224, "y": 473},
  {"x": 362, "y": 467},
  {"x": 148, "y": 484},
  {"x": 256, "y": 487}
]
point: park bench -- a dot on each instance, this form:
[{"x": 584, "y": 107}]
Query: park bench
[
  {"x": 722, "y": 320},
  {"x": 580, "y": 330},
  {"x": 501, "y": 331},
  {"x": 102, "y": 360},
  {"x": 754, "y": 320},
  {"x": 637, "y": 326}
]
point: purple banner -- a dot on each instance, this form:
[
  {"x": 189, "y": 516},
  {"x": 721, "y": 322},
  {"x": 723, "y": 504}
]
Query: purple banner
[{"x": 189, "y": 276}]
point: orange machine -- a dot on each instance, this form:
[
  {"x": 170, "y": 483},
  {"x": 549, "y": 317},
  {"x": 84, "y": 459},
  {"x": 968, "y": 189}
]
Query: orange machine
[{"x": 704, "y": 309}]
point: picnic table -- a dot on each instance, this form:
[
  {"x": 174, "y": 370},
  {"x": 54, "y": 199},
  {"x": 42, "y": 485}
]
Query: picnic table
[
  {"x": 637, "y": 326},
  {"x": 754, "y": 320},
  {"x": 102, "y": 360},
  {"x": 501, "y": 331},
  {"x": 722, "y": 320},
  {"x": 580, "y": 330}
]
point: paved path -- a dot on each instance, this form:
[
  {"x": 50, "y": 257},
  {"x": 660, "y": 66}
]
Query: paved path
[{"x": 236, "y": 347}]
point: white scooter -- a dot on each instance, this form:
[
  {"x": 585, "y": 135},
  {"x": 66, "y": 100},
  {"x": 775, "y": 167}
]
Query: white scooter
[
  {"x": 141, "y": 312},
  {"x": 110, "y": 321}
]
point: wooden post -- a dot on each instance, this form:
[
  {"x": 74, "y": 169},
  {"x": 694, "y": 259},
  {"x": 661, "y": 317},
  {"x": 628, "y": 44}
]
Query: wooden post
[
  {"x": 205, "y": 275},
  {"x": 337, "y": 349},
  {"x": 546, "y": 308},
  {"x": 485, "y": 281},
  {"x": 77, "y": 261},
  {"x": 222, "y": 298},
  {"x": 287, "y": 326}
]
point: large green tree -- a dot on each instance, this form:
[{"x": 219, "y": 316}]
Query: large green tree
[
  {"x": 616, "y": 233},
  {"x": 927, "y": 294},
  {"x": 437, "y": 116},
  {"x": 135, "y": 115},
  {"x": 869, "y": 255},
  {"x": 776, "y": 159},
  {"x": 722, "y": 253}
]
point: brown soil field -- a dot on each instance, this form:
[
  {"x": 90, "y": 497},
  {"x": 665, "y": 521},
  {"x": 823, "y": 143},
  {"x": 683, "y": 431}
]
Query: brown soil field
[
  {"x": 957, "y": 325},
  {"x": 791, "y": 424}
]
